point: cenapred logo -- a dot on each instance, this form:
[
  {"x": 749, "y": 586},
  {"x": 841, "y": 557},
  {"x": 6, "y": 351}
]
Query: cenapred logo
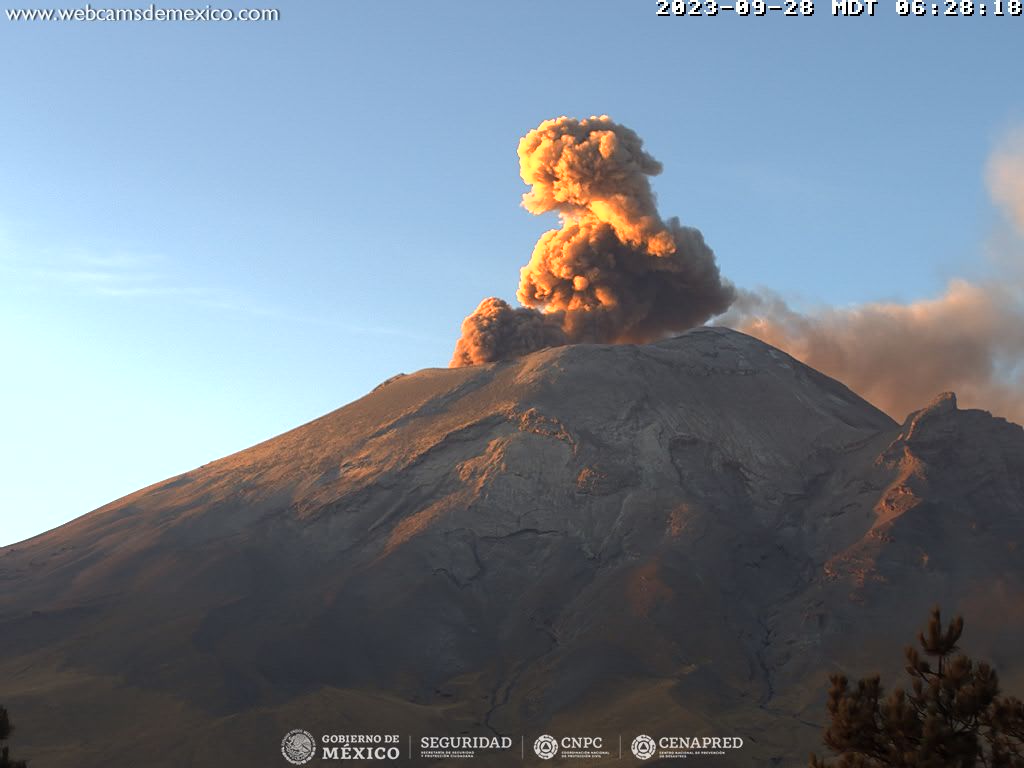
[
  {"x": 643, "y": 747},
  {"x": 546, "y": 747},
  {"x": 298, "y": 746}
]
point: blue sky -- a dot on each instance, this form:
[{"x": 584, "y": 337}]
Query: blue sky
[{"x": 211, "y": 233}]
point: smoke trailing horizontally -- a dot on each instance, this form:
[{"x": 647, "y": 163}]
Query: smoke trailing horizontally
[
  {"x": 899, "y": 356},
  {"x": 614, "y": 272}
]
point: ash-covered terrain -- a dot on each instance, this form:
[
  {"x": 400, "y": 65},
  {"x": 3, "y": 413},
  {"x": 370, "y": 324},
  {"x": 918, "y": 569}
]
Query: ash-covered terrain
[{"x": 683, "y": 537}]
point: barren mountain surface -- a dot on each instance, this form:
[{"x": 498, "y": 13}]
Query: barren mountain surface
[{"x": 681, "y": 538}]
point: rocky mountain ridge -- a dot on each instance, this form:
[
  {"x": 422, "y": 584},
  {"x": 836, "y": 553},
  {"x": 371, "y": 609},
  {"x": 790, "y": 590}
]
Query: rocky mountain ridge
[{"x": 685, "y": 536}]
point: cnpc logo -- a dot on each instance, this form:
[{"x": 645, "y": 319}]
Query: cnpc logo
[{"x": 546, "y": 746}]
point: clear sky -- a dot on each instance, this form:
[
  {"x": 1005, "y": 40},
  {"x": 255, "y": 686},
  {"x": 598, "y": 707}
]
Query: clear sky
[{"x": 213, "y": 232}]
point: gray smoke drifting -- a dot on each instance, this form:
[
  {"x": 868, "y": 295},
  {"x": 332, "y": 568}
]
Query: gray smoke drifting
[{"x": 614, "y": 271}]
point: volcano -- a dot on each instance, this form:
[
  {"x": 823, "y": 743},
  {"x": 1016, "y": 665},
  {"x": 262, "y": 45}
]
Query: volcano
[{"x": 685, "y": 537}]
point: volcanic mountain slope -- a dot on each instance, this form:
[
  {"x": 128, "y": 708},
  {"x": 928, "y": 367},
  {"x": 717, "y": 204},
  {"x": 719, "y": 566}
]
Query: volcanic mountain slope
[{"x": 680, "y": 538}]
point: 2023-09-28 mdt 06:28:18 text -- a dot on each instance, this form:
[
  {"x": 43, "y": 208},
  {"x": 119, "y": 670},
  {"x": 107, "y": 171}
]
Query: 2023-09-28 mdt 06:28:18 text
[{"x": 855, "y": 8}]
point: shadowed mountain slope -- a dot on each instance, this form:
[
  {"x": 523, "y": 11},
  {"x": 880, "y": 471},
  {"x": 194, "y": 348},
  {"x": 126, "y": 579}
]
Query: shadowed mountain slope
[{"x": 685, "y": 537}]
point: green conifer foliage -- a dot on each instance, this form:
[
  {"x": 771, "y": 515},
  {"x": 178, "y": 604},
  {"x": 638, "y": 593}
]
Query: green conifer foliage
[{"x": 953, "y": 716}]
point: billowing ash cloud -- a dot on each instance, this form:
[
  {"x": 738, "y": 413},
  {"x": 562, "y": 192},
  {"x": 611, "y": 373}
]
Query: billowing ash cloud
[
  {"x": 899, "y": 356},
  {"x": 496, "y": 331},
  {"x": 597, "y": 169},
  {"x": 614, "y": 271}
]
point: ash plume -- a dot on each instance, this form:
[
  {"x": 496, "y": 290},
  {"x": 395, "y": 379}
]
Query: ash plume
[
  {"x": 496, "y": 331},
  {"x": 899, "y": 356},
  {"x": 615, "y": 271}
]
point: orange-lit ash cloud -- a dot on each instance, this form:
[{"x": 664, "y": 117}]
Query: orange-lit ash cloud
[
  {"x": 898, "y": 356},
  {"x": 614, "y": 271},
  {"x": 497, "y": 331},
  {"x": 969, "y": 340}
]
